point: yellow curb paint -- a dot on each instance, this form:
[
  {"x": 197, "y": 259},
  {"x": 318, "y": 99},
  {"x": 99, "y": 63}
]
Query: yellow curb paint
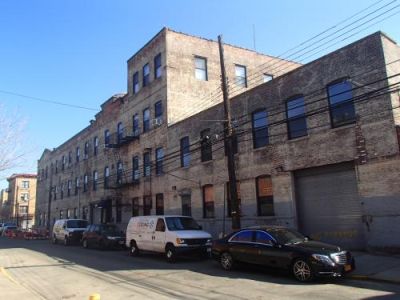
[
  {"x": 94, "y": 297},
  {"x": 7, "y": 275}
]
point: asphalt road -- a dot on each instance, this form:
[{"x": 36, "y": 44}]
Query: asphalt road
[{"x": 40, "y": 270}]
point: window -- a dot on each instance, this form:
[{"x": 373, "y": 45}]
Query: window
[
  {"x": 186, "y": 205},
  {"x": 69, "y": 188},
  {"x": 63, "y": 163},
  {"x": 185, "y": 152},
  {"x": 55, "y": 192},
  {"x": 146, "y": 75},
  {"x": 159, "y": 161},
  {"x": 135, "y": 125},
  {"x": 69, "y": 158},
  {"x": 158, "y": 111},
  {"x": 240, "y": 76},
  {"x": 106, "y": 136},
  {"x": 243, "y": 237},
  {"x": 47, "y": 172},
  {"x": 159, "y": 204},
  {"x": 146, "y": 120},
  {"x": 95, "y": 145},
  {"x": 260, "y": 128},
  {"x": 157, "y": 66},
  {"x": 160, "y": 226},
  {"x": 85, "y": 182},
  {"x": 136, "y": 82},
  {"x": 24, "y": 197},
  {"x": 61, "y": 214},
  {"x": 229, "y": 199},
  {"x": 265, "y": 198},
  {"x": 106, "y": 176},
  {"x": 62, "y": 191},
  {"x": 77, "y": 183},
  {"x": 135, "y": 169},
  {"x": 341, "y": 103},
  {"x": 25, "y": 184},
  {"x": 68, "y": 213},
  {"x": 120, "y": 172},
  {"x": 78, "y": 154},
  {"x": 95, "y": 178},
  {"x": 118, "y": 211},
  {"x": 135, "y": 207},
  {"x": 267, "y": 77},
  {"x": 208, "y": 201},
  {"x": 206, "y": 146},
  {"x": 147, "y": 205},
  {"x": 75, "y": 213},
  {"x": 263, "y": 238},
  {"x": 56, "y": 166},
  {"x": 201, "y": 68},
  {"x": 146, "y": 164},
  {"x": 85, "y": 151},
  {"x": 296, "y": 118},
  {"x": 84, "y": 212},
  {"x": 120, "y": 132}
]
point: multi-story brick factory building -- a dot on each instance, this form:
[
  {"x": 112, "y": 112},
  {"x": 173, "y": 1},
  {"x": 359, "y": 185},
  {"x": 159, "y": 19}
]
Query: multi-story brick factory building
[{"x": 317, "y": 146}]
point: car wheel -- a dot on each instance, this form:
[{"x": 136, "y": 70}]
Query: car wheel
[
  {"x": 302, "y": 270},
  {"x": 133, "y": 249},
  {"x": 54, "y": 240},
  {"x": 85, "y": 244},
  {"x": 66, "y": 241},
  {"x": 226, "y": 261},
  {"x": 170, "y": 253}
]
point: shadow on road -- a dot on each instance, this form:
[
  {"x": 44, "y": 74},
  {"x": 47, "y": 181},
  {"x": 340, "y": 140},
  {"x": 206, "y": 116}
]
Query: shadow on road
[{"x": 114, "y": 261}]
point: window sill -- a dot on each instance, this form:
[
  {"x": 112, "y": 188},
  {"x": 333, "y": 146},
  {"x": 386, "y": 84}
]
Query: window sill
[
  {"x": 300, "y": 138},
  {"x": 347, "y": 126}
]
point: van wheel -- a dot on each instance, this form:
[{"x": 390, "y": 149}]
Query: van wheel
[
  {"x": 66, "y": 241},
  {"x": 54, "y": 240},
  {"x": 226, "y": 261},
  {"x": 133, "y": 249},
  {"x": 170, "y": 253},
  {"x": 85, "y": 244}
]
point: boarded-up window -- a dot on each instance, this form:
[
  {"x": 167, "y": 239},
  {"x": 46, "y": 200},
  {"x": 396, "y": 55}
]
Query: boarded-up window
[
  {"x": 265, "y": 197},
  {"x": 208, "y": 201}
]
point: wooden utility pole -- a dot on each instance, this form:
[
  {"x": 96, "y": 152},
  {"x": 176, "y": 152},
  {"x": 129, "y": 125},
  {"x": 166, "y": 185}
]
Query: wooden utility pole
[{"x": 228, "y": 136}]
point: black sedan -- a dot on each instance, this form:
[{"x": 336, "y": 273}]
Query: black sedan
[
  {"x": 282, "y": 248},
  {"x": 103, "y": 236}
]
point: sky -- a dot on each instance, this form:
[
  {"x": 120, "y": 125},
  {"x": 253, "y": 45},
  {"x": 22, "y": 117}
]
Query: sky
[{"x": 75, "y": 51}]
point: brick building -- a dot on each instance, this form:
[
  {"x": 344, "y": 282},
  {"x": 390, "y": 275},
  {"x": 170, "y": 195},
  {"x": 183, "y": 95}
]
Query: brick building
[
  {"x": 317, "y": 146},
  {"x": 20, "y": 205},
  {"x": 3, "y": 204}
]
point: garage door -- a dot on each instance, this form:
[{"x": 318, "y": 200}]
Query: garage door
[{"x": 328, "y": 206}]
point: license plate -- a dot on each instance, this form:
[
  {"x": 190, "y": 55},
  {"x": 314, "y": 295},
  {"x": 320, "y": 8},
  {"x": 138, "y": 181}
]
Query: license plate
[{"x": 347, "y": 268}]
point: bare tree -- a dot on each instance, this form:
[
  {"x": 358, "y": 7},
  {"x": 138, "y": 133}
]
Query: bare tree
[{"x": 11, "y": 140}]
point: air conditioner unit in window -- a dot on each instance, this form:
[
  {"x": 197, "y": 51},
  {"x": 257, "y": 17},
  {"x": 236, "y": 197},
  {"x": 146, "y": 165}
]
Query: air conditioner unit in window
[{"x": 156, "y": 122}]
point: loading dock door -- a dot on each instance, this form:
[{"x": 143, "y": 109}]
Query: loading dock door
[{"x": 328, "y": 206}]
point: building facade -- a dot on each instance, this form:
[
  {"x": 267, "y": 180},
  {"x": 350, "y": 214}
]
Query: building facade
[
  {"x": 3, "y": 204},
  {"x": 316, "y": 147},
  {"x": 21, "y": 203}
]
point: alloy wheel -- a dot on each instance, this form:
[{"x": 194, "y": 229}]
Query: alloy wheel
[
  {"x": 226, "y": 261},
  {"x": 302, "y": 270}
]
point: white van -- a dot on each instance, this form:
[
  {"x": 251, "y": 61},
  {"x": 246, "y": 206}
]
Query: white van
[
  {"x": 68, "y": 230},
  {"x": 171, "y": 235}
]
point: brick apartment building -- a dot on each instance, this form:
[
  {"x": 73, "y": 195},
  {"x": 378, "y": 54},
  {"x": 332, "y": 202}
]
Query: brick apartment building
[
  {"x": 21, "y": 200},
  {"x": 317, "y": 146}
]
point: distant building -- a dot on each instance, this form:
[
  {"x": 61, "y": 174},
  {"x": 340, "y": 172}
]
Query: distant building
[
  {"x": 3, "y": 203},
  {"x": 20, "y": 207},
  {"x": 317, "y": 144}
]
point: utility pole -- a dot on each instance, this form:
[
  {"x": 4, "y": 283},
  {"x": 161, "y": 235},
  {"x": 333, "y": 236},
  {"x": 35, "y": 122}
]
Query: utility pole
[{"x": 228, "y": 136}]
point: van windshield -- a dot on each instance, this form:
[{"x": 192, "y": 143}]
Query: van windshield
[
  {"x": 181, "y": 223},
  {"x": 77, "y": 224}
]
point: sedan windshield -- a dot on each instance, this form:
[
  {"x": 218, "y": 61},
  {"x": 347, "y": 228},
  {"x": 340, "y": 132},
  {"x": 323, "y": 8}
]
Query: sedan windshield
[
  {"x": 286, "y": 236},
  {"x": 110, "y": 230},
  {"x": 77, "y": 224},
  {"x": 181, "y": 223}
]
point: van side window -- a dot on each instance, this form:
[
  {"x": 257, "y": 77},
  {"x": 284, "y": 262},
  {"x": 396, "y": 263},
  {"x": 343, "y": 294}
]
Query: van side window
[{"x": 160, "y": 225}]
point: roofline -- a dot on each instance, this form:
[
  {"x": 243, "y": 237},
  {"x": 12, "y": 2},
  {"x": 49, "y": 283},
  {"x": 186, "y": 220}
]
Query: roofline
[{"x": 22, "y": 175}]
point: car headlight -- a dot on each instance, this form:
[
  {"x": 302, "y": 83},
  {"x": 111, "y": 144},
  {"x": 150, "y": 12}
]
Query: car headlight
[
  {"x": 323, "y": 259},
  {"x": 111, "y": 238},
  {"x": 180, "y": 241}
]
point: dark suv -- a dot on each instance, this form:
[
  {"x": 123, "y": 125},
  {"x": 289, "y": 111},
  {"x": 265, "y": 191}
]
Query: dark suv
[
  {"x": 280, "y": 247},
  {"x": 103, "y": 236}
]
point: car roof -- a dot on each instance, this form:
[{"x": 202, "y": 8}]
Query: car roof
[{"x": 265, "y": 227}]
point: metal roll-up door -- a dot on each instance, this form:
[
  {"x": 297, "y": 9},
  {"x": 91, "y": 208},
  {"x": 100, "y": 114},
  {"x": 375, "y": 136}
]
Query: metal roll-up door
[{"x": 328, "y": 207}]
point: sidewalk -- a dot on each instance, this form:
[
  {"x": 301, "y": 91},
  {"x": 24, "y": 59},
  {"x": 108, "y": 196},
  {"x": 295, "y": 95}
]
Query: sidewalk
[
  {"x": 376, "y": 267},
  {"x": 11, "y": 289}
]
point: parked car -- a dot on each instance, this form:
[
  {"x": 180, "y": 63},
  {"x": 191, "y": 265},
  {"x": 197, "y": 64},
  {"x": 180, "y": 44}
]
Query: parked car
[
  {"x": 283, "y": 248},
  {"x": 8, "y": 229},
  {"x": 103, "y": 236},
  {"x": 68, "y": 231},
  {"x": 171, "y": 235}
]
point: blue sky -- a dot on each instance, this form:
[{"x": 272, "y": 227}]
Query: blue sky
[{"x": 75, "y": 51}]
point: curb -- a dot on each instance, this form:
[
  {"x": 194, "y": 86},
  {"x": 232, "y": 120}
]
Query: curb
[{"x": 369, "y": 278}]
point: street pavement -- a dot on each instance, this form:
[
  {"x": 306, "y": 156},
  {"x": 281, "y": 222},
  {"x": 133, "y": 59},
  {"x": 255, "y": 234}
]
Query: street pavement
[{"x": 39, "y": 270}]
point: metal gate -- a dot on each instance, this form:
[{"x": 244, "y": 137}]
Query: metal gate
[{"x": 328, "y": 206}]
